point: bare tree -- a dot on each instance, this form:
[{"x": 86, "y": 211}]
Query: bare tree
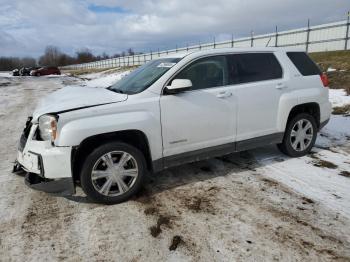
[
  {"x": 85, "y": 56},
  {"x": 130, "y": 51},
  {"x": 51, "y": 56},
  {"x": 10, "y": 63}
]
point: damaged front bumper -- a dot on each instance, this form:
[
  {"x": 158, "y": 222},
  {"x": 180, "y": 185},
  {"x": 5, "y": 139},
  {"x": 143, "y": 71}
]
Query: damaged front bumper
[{"x": 48, "y": 167}]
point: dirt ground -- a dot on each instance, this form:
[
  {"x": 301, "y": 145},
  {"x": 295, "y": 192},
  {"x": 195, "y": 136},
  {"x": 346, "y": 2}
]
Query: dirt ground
[{"x": 223, "y": 209}]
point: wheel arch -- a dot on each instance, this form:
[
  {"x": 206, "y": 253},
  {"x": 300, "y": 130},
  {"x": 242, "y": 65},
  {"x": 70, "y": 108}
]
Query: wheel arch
[
  {"x": 133, "y": 137},
  {"x": 311, "y": 108}
]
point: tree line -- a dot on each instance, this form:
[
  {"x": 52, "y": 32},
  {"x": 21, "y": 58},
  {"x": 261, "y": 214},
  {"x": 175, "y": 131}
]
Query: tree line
[{"x": 54, "y": 57}]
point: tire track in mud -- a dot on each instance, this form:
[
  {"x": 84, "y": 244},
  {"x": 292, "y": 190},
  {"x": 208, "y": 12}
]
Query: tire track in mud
[{"x": 287, "y": 221}]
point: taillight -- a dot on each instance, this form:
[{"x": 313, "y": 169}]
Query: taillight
[{"x": 324, "y": 79}]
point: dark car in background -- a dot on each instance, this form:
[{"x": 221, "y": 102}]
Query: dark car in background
[
  {"x": 25, "y": 71},
  {"x": 15, "y": 72},
  {"x": 49, "y": 70}
]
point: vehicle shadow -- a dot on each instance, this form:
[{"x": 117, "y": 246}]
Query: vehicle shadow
[
  {"x": 240, "y": 162},
  {"x": 202, "y": 171}
]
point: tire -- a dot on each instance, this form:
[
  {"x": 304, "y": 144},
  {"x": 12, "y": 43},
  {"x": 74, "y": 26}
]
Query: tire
[
  {"x": 299, "y": 143},
  {"x": 113, "y": 182}
]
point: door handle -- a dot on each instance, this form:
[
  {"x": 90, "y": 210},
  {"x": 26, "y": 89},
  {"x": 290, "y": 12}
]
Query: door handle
[
  {"x": 281, "y": 86},
  {"x": 224, "y": 94}
]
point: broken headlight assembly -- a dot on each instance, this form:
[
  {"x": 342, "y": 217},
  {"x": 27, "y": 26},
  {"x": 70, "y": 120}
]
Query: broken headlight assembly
[{"x": 48, "y": 127}]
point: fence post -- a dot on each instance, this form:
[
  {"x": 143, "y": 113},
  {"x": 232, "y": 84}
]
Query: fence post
[
  {"x": 214, "y": 43},
  {"x": 158, "y": 53},
  {"x": 232, "y": 41},
  {"x": 276, "y": 37},
  {"x": 347, "y": 32},
  {"x": 151, "y": 55},
  {"x": 308, "y": 35},
  {"x": 187, "y": 47},
  {"x": 251, "y": 38},
  {"x": 176, "y": 49},
  {"x": 200, "y": 47}
]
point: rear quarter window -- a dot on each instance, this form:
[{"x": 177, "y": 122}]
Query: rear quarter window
[{"x": 303, "y": 63}]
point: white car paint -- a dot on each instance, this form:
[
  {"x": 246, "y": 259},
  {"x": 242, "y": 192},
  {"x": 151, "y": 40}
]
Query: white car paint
[
  {"x": 180, "y": 123},
  {"x": 75, "y": 97}
]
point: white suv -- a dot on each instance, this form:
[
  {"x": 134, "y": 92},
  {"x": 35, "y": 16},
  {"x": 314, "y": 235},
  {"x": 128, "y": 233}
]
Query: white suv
[{"x": 172, "y": 111}]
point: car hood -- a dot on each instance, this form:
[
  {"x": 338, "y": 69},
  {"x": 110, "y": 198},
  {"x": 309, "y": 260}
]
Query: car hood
[{"x": 74, "y": 98}]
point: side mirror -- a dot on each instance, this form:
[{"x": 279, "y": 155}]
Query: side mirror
[{"x": 178, "y": 85}]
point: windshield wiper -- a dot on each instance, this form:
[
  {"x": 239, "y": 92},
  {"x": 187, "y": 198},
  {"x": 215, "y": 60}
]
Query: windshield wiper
[{"x": 115, "y": 90}]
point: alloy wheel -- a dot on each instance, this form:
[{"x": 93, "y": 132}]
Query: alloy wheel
[
  {"x": 301, "y": 135},
  {"x": 114, "y": 173}
]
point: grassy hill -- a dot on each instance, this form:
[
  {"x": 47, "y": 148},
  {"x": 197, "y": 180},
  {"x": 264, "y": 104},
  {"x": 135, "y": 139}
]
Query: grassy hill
[{"x": 339, "y": 60}]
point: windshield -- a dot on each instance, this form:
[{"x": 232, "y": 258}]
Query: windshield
[{"x": 144, "y": 76}]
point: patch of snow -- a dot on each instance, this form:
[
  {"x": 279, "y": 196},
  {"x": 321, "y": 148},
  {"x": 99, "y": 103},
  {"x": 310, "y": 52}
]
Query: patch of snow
[
  {"x": 338, "y": 97},
  {"x": 335, "y": 133},
  {"x": 6, "y": 74},
  {"x": 102, "y": 79},
  {"x": 324, "y": 185},
  {"x": 330, "y": 69}
]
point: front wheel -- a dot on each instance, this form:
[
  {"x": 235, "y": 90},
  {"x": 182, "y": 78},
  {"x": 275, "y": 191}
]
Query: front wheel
[
  {"x": 113, "y": 173},
  {"x": 300, "y": 136}
]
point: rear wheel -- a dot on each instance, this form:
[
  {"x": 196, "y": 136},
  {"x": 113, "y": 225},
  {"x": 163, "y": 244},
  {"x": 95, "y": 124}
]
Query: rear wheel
[
  {"x": 113, "y": 173},
  {"x": 300, "y": 135}
]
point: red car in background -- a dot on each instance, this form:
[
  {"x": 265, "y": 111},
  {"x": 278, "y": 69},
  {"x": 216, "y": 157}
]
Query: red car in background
[{"x": 45, "y": 71}]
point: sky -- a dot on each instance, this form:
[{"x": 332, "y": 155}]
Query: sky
[{"x": 112, "y": 26}]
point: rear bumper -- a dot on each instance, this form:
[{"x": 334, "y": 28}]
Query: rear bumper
[
  {"x": 61, "y": 187},
  {"x": 325, "y": 111},
  {"x": 323, "y": 124}
]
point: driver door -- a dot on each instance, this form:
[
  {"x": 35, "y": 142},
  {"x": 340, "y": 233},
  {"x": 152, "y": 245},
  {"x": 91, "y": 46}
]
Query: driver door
[{"x": 204, "y": 116}]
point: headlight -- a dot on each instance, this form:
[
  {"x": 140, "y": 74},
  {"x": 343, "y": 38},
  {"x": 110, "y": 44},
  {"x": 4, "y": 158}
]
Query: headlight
[{"x": 48, "y": 127}]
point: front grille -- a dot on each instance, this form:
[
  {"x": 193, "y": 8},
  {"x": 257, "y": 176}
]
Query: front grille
[{"x": 25, "y": 134}]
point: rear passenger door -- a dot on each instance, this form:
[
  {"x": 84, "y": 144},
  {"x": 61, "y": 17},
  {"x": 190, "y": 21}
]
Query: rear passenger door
[{"x": 259, "y": 85}]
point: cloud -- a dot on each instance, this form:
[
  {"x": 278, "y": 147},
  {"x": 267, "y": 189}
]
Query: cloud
[{"x": 115, "y": 25}]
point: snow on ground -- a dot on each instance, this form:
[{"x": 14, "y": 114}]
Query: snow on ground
[
  {"x": 338, "y": 97},
  {"x": 257, "y": 205},
  {"x": 324, "y": 184},
  {"x": 5, "y": 74},
  {"x": 103, "y": 79}
]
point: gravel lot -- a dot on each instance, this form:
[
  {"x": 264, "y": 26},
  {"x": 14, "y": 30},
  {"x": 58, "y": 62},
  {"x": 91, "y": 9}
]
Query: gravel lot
[{"x": 232, "y": 208}]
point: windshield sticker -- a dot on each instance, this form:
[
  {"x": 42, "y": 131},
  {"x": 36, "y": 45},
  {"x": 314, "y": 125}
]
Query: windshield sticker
[{"x": 167, "y": 65}]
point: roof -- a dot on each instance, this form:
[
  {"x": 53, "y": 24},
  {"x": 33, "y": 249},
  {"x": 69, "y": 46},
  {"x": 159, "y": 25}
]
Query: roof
[{"x": 233, "y": 50}]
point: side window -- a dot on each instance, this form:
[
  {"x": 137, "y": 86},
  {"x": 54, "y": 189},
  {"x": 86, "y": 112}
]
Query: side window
[
  {"x": 253, "y": 67},
  {"x": 206, "y": 72},
  {"x": 304, "y": 63}
]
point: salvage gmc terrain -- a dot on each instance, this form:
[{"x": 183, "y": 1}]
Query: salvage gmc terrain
[{"x": 171, "y": 111}]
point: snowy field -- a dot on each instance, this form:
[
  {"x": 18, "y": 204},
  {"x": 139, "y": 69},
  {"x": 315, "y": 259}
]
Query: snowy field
[{"x": 257, "y": 205}]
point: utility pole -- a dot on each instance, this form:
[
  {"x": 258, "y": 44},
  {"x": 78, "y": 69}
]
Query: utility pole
[{"x": 251, "y": 38}]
